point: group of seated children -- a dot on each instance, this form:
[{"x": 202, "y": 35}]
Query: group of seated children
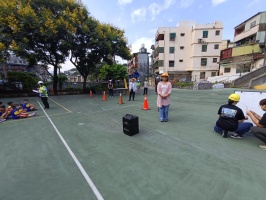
[{"x": 16, "y": 111}]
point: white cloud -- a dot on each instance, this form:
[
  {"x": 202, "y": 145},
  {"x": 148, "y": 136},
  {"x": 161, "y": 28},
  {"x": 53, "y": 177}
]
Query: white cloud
[
  {"x": 252, "y": 3},
  {"x": 138, "y": 14},
  {"x": 67, "y": 66},
  {"x": 186, "y": 3},
  {"x": 216, "y": 2},
  {"x": 156, "y": 8},
  {"x": 136, "y": 45},
  {"x": 124, "y": 2}
]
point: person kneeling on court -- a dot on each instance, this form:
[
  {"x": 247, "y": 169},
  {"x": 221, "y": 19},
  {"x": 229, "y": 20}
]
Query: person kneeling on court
[{"x": 231, "y": 119}]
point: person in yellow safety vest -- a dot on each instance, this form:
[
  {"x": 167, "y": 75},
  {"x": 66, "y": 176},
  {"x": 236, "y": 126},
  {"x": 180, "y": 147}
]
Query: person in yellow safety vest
[
  {"x": 138, "y": 85},
  {"x": 43, "y": 95}
]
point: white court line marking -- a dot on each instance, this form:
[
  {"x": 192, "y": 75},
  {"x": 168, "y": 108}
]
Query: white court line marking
[
  {"x": 59, "y": 104},
  {"x": 84, "y": 173}
]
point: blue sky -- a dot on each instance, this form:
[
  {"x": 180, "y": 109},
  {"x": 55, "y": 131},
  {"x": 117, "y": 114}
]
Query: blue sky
[{"x": 140, "y": 19}]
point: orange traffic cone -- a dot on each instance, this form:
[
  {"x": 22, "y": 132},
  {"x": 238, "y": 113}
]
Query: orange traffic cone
[
  {"x": 145, "y": 104},
  {"x": 90, "y": 93},
  {"x": 104, "y": 96},
  {"x": 120, "y": 99}
]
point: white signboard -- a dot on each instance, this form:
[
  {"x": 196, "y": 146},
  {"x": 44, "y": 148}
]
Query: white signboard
[{"x": 250, "y": 100}]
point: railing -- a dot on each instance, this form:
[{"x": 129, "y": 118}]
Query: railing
[{"x": 247, "y": 77}]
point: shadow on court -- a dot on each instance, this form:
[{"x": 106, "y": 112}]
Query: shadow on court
[{"x": 77, "y": 150}]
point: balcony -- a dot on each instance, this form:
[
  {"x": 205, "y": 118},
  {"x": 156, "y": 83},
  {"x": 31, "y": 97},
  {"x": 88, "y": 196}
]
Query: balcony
[
  {"x": 246, "y": 34},
  {"x": 159, "y": 36},
  {"x": 245, "y": 50},
  {"x": 159, "y": 43}
]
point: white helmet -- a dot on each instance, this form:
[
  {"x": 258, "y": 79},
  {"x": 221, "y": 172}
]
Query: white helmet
[
  {"x": 161, "y": 72},
  {"x": 40, "y": 82}
]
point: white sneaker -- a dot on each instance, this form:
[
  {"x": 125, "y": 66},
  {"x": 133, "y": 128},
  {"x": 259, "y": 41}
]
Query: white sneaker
[
  {"x": 262, "y": 147},
  {"x": 236, "y": 136},
  {"x": 32, "y": 114}
]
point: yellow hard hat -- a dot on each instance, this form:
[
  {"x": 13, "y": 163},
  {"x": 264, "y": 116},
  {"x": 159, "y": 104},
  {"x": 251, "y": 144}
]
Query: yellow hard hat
[
  {"x": 165, "y": 74},
  {"x": 234, "y": 97}
]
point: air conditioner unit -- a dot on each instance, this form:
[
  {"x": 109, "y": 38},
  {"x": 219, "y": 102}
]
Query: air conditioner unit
[{"x": 199, "y": 40}]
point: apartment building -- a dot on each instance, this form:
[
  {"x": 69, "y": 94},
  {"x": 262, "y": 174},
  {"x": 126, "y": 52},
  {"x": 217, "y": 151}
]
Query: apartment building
[
  {"x": 188, "y": 51},
  {"x": 249, "y": 51}
]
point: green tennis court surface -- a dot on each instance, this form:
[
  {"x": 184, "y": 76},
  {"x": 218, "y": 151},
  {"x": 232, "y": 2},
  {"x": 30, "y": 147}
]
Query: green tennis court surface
[{"x": 77, "y": 150}]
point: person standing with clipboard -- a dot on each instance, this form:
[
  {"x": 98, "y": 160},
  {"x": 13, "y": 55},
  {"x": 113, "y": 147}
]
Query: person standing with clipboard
[{"x": 43, "y": 93}]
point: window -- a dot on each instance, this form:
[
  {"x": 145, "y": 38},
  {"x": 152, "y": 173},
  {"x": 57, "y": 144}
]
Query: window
[
  {"x": 181, "y": 47},
  {"x": 202, "y": 75},
  {"x": 217, "y": 32},
  {"x": 160, "y": 63},
  {"x": 227, "y": 70},
  {"x": 182, "y": 34},
  {"x": 203, "y": 61},
  {"x": 172, "y": 49},
  {"x": 214, "y": 60},
  {"x": 180, "y": 60},
  {"x": 205, "y": 34},
  {"x": 243, "y": 69},
  {"x": 213, "y": 74},
  {"x": 253, "y": 24},
  {"x": 216, "y": 46},
  {"x": 172, "y": 36},
  {"x": 171, "y": 63},
  {"x": 161, "y": 50},
  {"x": 204, "y": 48}
]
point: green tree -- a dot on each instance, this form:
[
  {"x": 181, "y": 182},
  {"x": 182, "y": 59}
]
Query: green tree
[
  {"x": 85, "y": 48},
  {"x": 41, "y": 29},
  {"x": 27, "y": 80},
  {"x": 113, "y": 43},
  {"x": 95, "y": 43},
  {"x": 115, "y": 71}
]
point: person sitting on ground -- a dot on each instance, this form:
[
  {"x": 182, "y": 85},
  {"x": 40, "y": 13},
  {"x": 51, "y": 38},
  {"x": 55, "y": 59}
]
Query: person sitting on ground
[
  {"x": 27, "y": 106},
  {"x": 3, "y": 112},
  {"x": 259, "y": 130},
  {"x": 231, "y": 119},
  {"x": 10, "y": 107},
  {"x": 18, "y": 113}
]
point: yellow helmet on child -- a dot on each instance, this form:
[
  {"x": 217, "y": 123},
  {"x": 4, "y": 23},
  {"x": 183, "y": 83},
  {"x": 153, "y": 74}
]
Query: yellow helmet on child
[{"x": 234, "y": 97}]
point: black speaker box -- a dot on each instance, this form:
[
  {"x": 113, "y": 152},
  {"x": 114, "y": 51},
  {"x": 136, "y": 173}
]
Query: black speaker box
[{"x": 130, "y": 124}]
